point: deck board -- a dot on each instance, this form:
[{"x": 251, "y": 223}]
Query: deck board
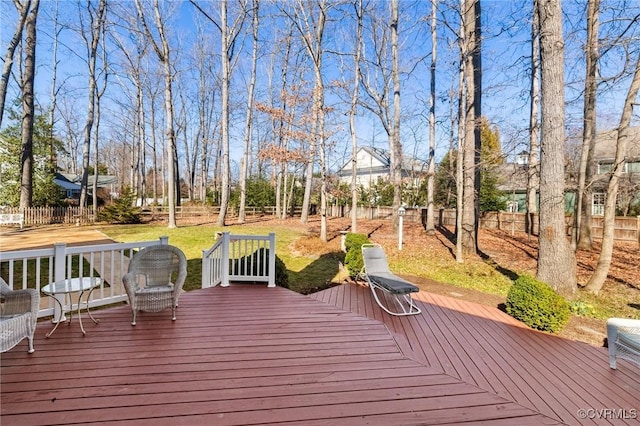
[
  {"x": 253, "y": 351},
  {"x": 244, "y": 355},
  {"x": 485, "y": 347}
]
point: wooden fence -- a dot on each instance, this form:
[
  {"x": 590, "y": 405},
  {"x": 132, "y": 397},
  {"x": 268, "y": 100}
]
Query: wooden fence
[
  {"x": 625, "y": 228},
  {"x": 53, "y": 215}
]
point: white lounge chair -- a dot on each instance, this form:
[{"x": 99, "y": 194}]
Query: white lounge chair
[
  {"x": 623, "y": 337},
  {"x": 392, "y": 293}
]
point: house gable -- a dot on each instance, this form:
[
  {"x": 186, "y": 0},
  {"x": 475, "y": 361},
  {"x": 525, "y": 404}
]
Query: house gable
[{"x": 373, "y": 164}]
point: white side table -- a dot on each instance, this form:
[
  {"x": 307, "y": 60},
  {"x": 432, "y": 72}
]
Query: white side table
[{"x": 67, "y": 287}]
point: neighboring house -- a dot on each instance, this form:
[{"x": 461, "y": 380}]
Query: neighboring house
[
  {"x": 604, "y": 156},
  {"x": 70, "y": 183},
  {"x": 514, "y": 176},
  {"x": 374, "y": 164}
]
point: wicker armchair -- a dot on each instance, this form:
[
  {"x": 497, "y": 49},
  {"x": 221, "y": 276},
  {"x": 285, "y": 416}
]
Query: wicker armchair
[
  {"x": 155, "y": 278},
  {"x": 18, "y": 316},
  {"x": 623, "y": 337}
]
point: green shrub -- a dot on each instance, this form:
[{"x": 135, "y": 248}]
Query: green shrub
[
  {"x": 353, "y": 259},
  {"x": 537, "y": 305},
  {"x": 260, "y": 268},
  {"x": 121, "y": 210}
]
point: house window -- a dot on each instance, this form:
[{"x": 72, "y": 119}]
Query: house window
[
  {"x": 604, "y": 168},
  {"x": 597, "y": 207},
  {"x": 633, "y": 167}
]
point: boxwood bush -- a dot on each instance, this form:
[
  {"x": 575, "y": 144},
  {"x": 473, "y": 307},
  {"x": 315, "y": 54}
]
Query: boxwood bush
[
  {"x": 353, "y": 259},
  {"x": 537, "y": 305}
]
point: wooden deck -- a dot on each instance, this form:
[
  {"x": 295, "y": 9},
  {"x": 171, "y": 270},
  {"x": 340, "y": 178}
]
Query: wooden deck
[{"x": 255, "y": 355}]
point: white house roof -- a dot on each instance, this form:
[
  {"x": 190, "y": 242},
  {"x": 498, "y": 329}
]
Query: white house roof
[{"x": 379, "y": 160}]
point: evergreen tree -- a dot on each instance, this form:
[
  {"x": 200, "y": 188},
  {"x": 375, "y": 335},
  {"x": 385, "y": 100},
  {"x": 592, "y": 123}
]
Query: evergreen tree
[
  {"x": 45, "y": 149},
  {"x": 491, "y": 199}
]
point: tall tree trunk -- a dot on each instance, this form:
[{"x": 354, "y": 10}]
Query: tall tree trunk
[
  {"x": 471, "y": 180},
  {"x": 163, "y": 54},
  {"x": 352, "y": 119},
  {"x": 582, "y": 228},
  {"x": 95, "y": 30},
  {"x": 396, "y": 146},
  {"x": 310, "y": 23},
  {"x": 460, "y": 153},
  {"x": 99, "y": 94},
  {"x": 23, "y": 11},
  {"x": 534, "y": 129},
  {"x": 57, "y": 29},
  {"x": 556, "y": 259},
  {"x": 28, "y": 108},
  {"x": 244, "y": 164},
  {"x": 226, "y": 75},
  {"x": 142, "y": 138},
  {"x": 431, "y": 170},
  {"x": 604, "y": 261}
]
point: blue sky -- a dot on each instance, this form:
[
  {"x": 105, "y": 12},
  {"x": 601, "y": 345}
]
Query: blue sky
[{"x": 506, "y": 30}]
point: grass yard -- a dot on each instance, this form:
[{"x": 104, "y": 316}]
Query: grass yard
[{"x": 306, "y": 271}]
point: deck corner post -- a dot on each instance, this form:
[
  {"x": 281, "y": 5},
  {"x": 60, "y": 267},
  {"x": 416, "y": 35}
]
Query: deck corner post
[
  {"x": 225, "y": 259},
  {"x": 206, "y": 275},
  {"x": 272, "y": 260},
  {"x": 59, "y": 267}
]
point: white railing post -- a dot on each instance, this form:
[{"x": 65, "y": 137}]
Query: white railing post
[
  {"x": 225, "y": 259},
  {"x": 59, "y": 265},
  {"x": 272, "y": 260},
  {"x": 164, "y": 241},
  {"x": 206, "y": 268}
]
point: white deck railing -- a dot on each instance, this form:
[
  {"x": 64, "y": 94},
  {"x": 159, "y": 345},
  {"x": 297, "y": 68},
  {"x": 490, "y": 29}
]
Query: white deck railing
[
  {"x": 44, "y": 266},
  {"x": 240, "y": 258}
]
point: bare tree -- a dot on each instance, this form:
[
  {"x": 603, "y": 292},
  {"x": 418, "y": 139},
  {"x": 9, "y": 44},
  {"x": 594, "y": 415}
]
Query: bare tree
[
  {"x": 28, "y": 107},
  {"x": 395, "y": 146},
  {"x": 100, "y": 91},
  {"x": 229, "y": 35},
  {"x": 534, "y": 120},
  {"x": 244, "y": 164},
  {"x": 96, "y": 25},
  {"x": 380, "y": 77},
  {"x": 309, "y": 17},
  {"x": 57, "y": 29},
  {"x": 556, "y": 259},
  {"x": 604, "y": 261},
  {"x": 352, "y": 117},
  {"x": 225, "y": 45},
  {"x": 163, "y": 52},
  {"x": 462, "y": 140},
  {"x": 23, "y": 10},
  {"x": 431, "y": 170},
  {"x": 582, "y": 228},
  {"x": 473, "y": 90}
]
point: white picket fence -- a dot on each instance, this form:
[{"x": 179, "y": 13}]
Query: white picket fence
[
  {"x": 39, "y": 267},
  {"x": 240, "y": 258}
]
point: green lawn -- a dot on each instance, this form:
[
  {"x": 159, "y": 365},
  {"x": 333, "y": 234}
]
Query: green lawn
[{"x": 305, "y": 272}]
